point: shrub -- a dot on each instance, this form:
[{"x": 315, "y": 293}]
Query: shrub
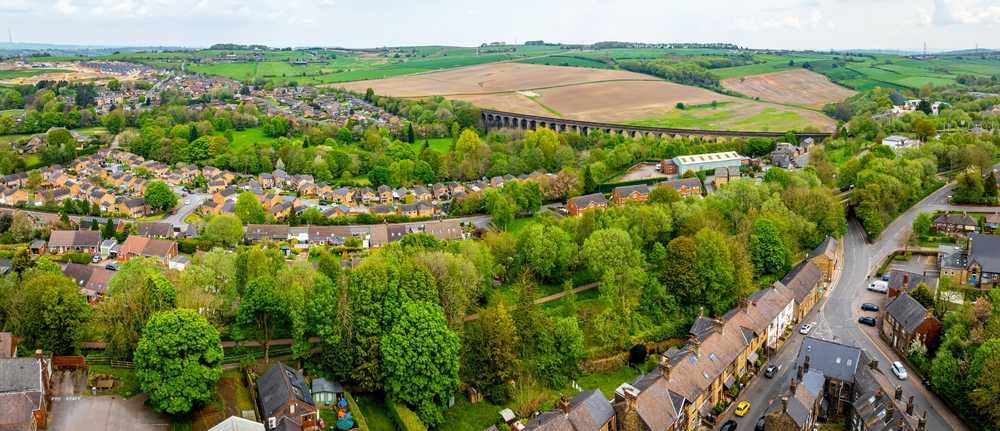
[
  {"x": 359, "y": 416},
  {"x": 80, "y": 258},
  {"x": 405, "y": 419},
  {"x": 191, "y": 245}
]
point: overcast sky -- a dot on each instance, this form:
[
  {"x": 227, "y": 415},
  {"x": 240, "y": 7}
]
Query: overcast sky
[{"x": 793, "y": 24}]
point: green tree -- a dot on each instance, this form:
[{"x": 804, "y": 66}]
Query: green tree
[
  {"x": 714, "y": 265},
  {"x": 21, "y": 227},
  {"x": 679, "y": 273},
  {"x": 178, "y": 361},
  {"x": 923, "y": 295},
  {"x": 137, "y": 291},
  {"x": 589, "y": 185},
  {"x": 925, "y": 129},
  {"x": 249, "y": 209},
  {"x": 159, "y": 196},
  {"x": 986, "y": 381},
  {"x": 50, "y": 312},
  {"x": 947, "y": 376},
  {"x": 500, "y": 207},
  {"x": 225, "y": 230},
  {"x": 990, "y": 188},
  {"x": 490, "y": 360},
  {"x": 664, "y": 195},
  {"x": 262, "y": 312},
  {"x": 767, "y": 249},
  {"x": 421, "y": 357},
  {"x": 969, "y": 188},
  {"x": 922, "y": 224},
  {"x": 560, "y": 349}
]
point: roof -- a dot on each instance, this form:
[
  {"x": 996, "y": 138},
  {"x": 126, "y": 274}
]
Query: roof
[
  {"x": 803, "y": 279},
  {"x": 279, "y": 385},
  {"x": 827, "y": 248},
  {"x": 985, "y": 251},
  {"x": 708, "y": 158},
  {"x": 834, "y": 360},
  {"x": 16, "y": 411},
  {"x": 20, "y": 375},
  {"x": 588, "y": 200},
  {"x": 588, "y": 411},
  {"x": 907, "y": 311},
  {"x": 324, "y": 385},
  {"x": 266, "y": 231},
  {"x": 236, "y": 423},
  {"x": 145, "y": 246},
  {"x": 641, "y": 189},
  {"x": 912, "y": 279},
  {"x": 801, "y": 402},
  {"x": 155, "y": 229},
  {"x": 92, "y": 278},
  {"x": 75, "y": 238},
  {"x": 692, "y": 182},
  {"x": 956, "y": 219}
]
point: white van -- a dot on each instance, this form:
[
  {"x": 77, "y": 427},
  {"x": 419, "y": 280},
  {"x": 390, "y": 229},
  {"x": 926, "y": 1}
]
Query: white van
[{"x": 879, "y": 286}]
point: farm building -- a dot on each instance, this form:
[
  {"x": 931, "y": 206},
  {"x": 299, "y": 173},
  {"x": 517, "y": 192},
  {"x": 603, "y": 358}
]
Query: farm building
[{"x": 708, "y": 162}]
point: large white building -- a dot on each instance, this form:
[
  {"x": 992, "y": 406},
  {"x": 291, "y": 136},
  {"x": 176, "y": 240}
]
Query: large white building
[{"x": 708, "y": 162}]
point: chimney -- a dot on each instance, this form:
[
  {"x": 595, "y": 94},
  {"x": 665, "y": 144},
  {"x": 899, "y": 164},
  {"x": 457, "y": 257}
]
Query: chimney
[
  {"x": 899, "y": 393},
  {"x": 922, "y": 422},
  {"x": 564, "y": 404},
  {"x": 664, "y": 366},
  {"x": 631, "y": 395},
  {"x": 901, "y": 424},
  {"x": 890, "y": 410},
  {"x": 798, "y": 373},
  {"x": 805, "y": 368},
  {"x": 906, "y": 280},
  {"x": 873, "y": 364},
  {"x": 792, "y": 386},
  {"x": 909, "y": 405},
  {"x": 784, "y": 404}
]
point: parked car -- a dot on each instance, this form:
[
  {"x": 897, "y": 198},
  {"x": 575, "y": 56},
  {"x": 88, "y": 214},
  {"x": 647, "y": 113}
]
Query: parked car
[
  {"x": 880, "y": 286},
  {"x": 885, "y": 277},
  {"x": 806, "y": 328},
  {"x": 111, "y": 266},
  {"x": 730, "y": 425},
  {"x": 95, "y": 259},
  {"x": 742, "y": 408},
  {"x": 868, "y": 306},
  {"x": 760, "y": 424},
  {"x": 771, "y": 370},
  {"x": 899, "y": 370},
  {"x": 870, "y": 321}
]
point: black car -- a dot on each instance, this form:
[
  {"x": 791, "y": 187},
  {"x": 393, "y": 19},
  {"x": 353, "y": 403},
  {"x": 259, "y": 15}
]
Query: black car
[
  {"x": 760, "y": 424},
  {"x": 770, "y": 371},
  {"x": 870, "y": 321},
  {"x": 869, "y": 307},
  {"x": 730, "y": 425},
  {"x": 111, "y": 267}
]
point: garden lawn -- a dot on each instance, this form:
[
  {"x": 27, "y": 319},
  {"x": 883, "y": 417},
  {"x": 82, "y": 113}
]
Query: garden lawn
[
  {"x": 441, "y": 145},
  {"x": 374, "y": 411}
]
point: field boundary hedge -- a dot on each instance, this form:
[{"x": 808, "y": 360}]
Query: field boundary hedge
[{"x": 405, "y": 419}]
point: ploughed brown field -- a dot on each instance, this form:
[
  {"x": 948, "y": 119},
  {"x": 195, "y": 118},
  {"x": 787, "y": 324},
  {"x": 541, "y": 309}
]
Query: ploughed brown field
[
  {"x": 601, "y": 95},
  {"x": 797, "y": 87}
]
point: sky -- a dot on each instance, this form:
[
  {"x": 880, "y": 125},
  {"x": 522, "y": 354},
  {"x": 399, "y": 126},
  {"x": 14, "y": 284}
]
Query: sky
[{"x": 778, "y": 24}]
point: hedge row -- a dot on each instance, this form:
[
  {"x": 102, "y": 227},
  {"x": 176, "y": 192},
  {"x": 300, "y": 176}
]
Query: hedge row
[
  {"x": 404, "y": 418},
  {"x": 359, "y": 417}
]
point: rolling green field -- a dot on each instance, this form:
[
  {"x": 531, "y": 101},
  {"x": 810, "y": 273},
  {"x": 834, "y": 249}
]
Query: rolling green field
[
  {"x": 441, "y": 145},
  {"x": 724, "y": 117},
  {"x": 24, "y": 73}
]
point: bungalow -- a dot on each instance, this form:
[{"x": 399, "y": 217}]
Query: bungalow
[
  {"x": 636, "y": 193},
  {"x": 136, "y": 245},
  {"x": 685, "y": 186},
  {"x": 577, "y": 205},
  {"x": 92, "y": 280},
  {"x": 84, "y": 241},
  {"x": 955, "y": 223},
  {"x": 266, "y": 232},
  {"x": 905, "y": 320},
  {"x": 155, "y": 230},
  {"x": 285, "y": 401}
]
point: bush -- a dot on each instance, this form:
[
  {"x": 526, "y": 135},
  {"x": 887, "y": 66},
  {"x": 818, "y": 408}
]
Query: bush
[
  {"x": 80, "y": 258},
  {"x": 405, "y": 419},
  {"x": 191, "y": 245},
  {"x": 359, "y": 416}
]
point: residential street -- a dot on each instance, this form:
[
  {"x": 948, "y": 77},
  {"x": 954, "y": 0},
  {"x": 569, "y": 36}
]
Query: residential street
[{"x": 837, "y": 316}]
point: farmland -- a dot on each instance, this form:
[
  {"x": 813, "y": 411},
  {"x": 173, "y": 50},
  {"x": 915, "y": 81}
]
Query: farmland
[
  {"x": 795, "y": 87},
  {"x": 594, "y": 95}
]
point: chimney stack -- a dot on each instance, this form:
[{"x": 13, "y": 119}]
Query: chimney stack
[
  {"x": 906, "y": 280},
  {"x": 792, "y": 386},
  {"x": 873, "y": 364},
  {"x": 909, "y": 405},
  {"x": 784, "y": 404},
  {"x": 564, "y": 404},
  {"x": 922, "y": 422},
  {"x": 890, "y": 410},
  {"x": 899, "y": 393},
  {"x": 798, "y": 373},
  {"x": 664, "y": 366},
  {"x": 805, "y": 367}
]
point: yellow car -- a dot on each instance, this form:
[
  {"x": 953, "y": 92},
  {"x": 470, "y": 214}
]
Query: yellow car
[{"x": 742, "y": 408}]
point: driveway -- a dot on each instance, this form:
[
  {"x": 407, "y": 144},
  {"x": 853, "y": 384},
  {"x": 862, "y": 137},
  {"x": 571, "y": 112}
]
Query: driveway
[{"x": 86, "y": 413}]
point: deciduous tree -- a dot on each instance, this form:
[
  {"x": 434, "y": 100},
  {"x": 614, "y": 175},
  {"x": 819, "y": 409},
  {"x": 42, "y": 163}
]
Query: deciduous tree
[{"x": 159, "y": 196}]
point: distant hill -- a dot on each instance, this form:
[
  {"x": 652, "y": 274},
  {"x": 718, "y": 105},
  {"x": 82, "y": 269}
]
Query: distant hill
[{"x": 16, "y": 49}]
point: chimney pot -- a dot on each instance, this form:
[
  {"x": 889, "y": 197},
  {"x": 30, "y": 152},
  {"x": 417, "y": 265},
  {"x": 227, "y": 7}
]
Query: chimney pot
[
  {"x": 909, "y": 405},
  {"x": 899, "y": 393},
  {"x": 873, "y": 364},
  {"x": 792, "y": 386},
  {"x": 798, "y": 373},
  {"x": 806, "y": 365},
  {"x": 784, "y": 404},
  {"x": 564, "y": 404}
]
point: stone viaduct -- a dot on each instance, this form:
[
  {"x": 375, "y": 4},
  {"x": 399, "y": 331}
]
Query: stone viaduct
[{"x": 508, "y": 120}]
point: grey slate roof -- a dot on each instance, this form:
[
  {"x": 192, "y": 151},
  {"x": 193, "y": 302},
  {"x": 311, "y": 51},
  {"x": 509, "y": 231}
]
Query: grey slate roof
[
  {"x": 801, "y": 403},
  {"x": 803, "y": 279},
  {"x": 827, "y": 248},
  {"x": 588, "y": 411},
  {"x": 896, "y": 278},
  {"x": 324, "y": 385},
  {"x": 985, "y": 250},
  {"x": 20, "y": 375},
  {"x": 624, "y": 191},
  {"x": 586, "y": 200},
  {"x": 834, "y": 360},
  {"x": 907, "y": 311},
  {"x": 281, "y": 384}
]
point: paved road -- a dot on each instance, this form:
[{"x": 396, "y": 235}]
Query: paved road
[
  {"x": 188, "y": 204},
  {"x": 837, "y": 315}
]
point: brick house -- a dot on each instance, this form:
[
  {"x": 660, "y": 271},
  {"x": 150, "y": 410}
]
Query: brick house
[
  {"x": 955, "y": 223},
  {"x": 25, "y": 395},
  {"x": 804, "y": 281},
  {"x": 85, "y": 241},
  {"x": 285, "y": 400},
  {"x": 135, "y": 246},
  {"x": 904, "y": 320},
  {"x": 685, "y": 186},
  {"x": 636, "y": 193},
  {"x": 576, "y": 206},
  {"x": 826, "y": 256}
]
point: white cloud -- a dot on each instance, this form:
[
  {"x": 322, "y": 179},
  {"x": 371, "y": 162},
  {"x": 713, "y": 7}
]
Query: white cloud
[
  {"x": 966, "y": 12},
  {"x": 65, "y": 7}
]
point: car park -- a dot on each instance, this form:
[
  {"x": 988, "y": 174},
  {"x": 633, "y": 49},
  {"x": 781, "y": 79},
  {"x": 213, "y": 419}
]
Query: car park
[
  {"x": 899, "y": 370},
  {"x": 742, "y": 408},
  {"x": 869, "y": 307},
  {"x": 870, "y": 321}
]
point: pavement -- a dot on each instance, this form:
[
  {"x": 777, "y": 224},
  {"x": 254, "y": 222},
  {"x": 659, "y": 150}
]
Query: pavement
[
  {"x": 73, "y": 410},
  {"x": 837, "y": 314}
]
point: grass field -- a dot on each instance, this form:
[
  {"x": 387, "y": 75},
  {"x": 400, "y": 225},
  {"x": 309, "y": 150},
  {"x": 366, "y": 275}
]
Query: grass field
[
  {"x": 441, "y": 145},
  {"x": 724, "y": 117},
  {"x": 373, "y": 407},
  {"x": 799, "y": 87},
  {"x": 25, "y": 73}
]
